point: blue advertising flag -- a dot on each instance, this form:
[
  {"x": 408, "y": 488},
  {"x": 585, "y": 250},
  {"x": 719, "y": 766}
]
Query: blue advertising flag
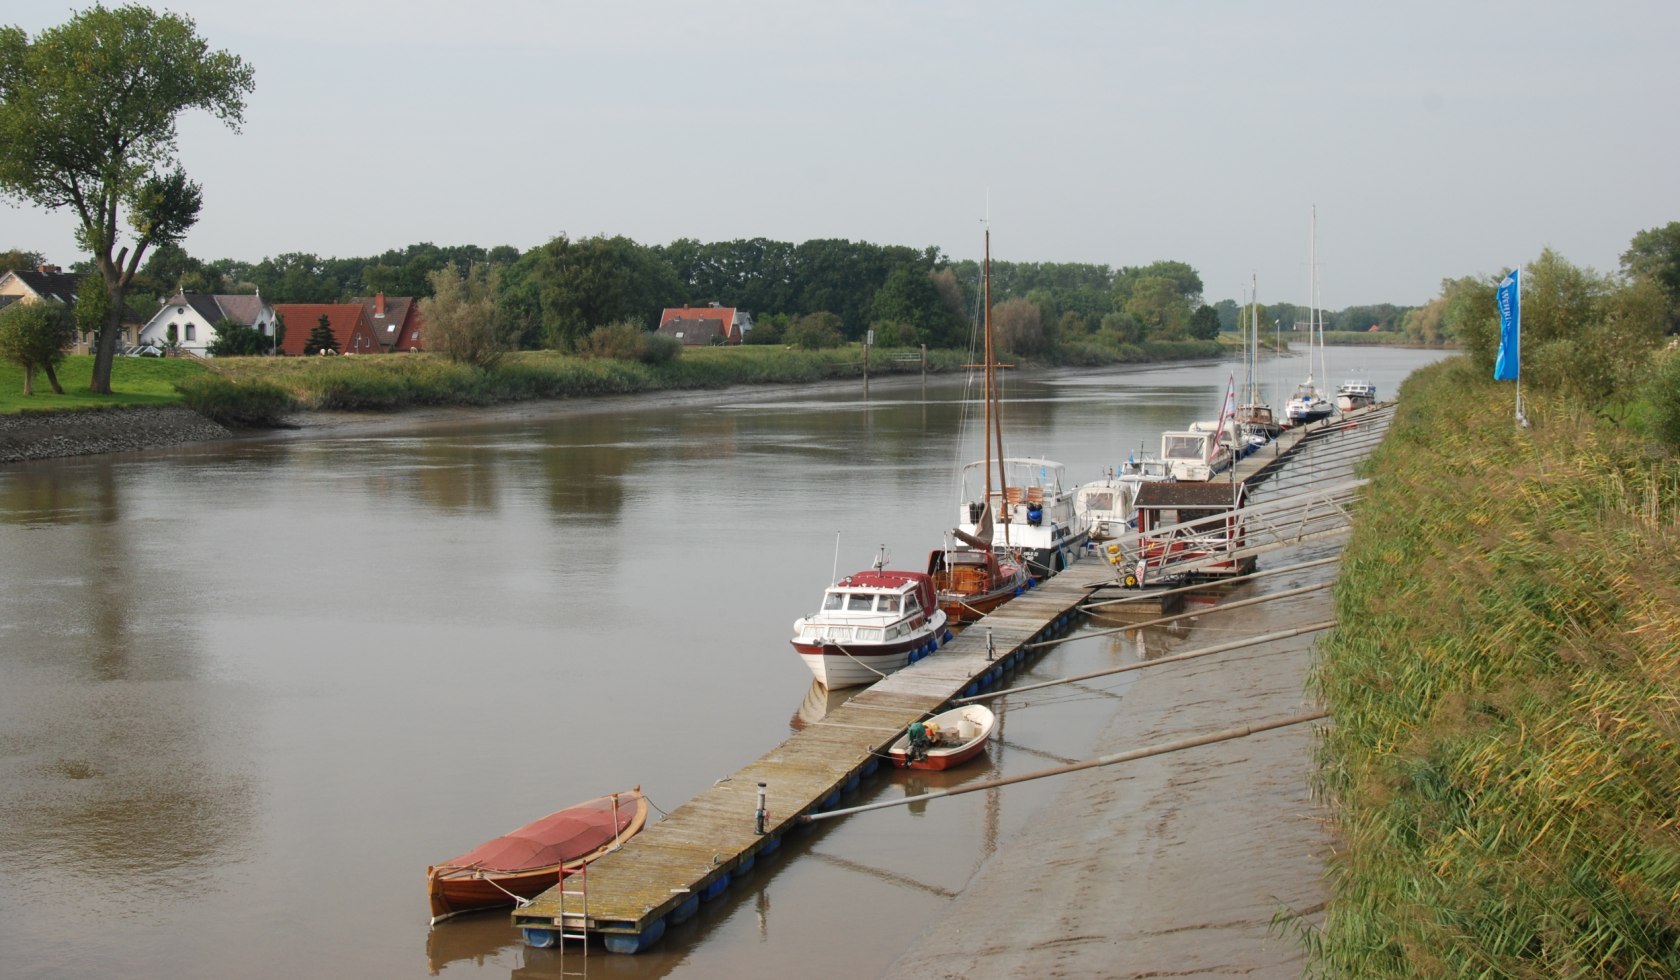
[{"x": 1508, "y": 365}]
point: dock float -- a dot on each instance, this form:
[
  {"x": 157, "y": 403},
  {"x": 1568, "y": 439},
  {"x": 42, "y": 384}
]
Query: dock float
[{"x": 661, "y": 876}]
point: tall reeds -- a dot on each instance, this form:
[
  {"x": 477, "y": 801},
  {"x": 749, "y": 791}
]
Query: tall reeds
[{"x": 1504, "y": 758}]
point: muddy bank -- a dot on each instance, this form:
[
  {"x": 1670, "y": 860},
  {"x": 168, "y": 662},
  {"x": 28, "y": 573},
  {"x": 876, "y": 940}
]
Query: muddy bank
[
  {"x": 1169, "y": 866},
  {"x": 72, "y": 433},
  {"x": 45, "y": 436}
]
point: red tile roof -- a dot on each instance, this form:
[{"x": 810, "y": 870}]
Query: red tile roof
[{"x": 349, "y": 323}]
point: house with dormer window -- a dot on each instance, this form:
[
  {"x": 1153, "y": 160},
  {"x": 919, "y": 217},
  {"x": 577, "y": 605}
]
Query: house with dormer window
[
  {"x": 395, "y": 321},
  {"x": 190, "y": 320},
  {"x": 50, "y": 283},
  {"x": 700, "y": 326},
  {"x": 348, "y": 322}
]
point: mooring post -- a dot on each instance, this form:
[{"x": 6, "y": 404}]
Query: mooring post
[
  {"x": 991, "y": 651},
  {"x": 758, "y": 816}
]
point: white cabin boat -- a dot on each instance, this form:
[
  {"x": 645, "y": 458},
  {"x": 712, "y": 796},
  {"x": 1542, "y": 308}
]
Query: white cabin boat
[
  {"x": 1106, "y": 504},
  {"x": 1194, "y": 455},
  {"x": 870, "y": 624},
  {"x": 1355, "y": 395},
  {"x": 1031, "y": 513}
]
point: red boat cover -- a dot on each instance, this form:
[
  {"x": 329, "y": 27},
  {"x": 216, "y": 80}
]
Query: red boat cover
[
  {"x": 555, "y": 839},
  {"x": 884, "y": 579}
]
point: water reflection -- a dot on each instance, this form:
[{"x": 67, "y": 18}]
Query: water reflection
[
  {"x": 819, "y": 701},
  {"x": 478, "y": 939}
]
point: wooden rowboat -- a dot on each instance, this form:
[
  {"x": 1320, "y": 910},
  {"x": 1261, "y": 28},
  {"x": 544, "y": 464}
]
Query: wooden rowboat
[
  {"x": 957, "y": 736},
  {"x": 523, "y": 863}
]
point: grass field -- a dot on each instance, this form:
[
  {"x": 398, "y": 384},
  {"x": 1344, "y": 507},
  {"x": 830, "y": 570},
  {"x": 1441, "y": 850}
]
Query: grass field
[{"x": 134, "y": 381}]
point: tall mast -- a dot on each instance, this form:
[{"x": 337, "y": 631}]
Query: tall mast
[
  {"x": 994, "y": 411},
  {"x": 1312, "y": 294},
  {"x": 986, "y": 364}
]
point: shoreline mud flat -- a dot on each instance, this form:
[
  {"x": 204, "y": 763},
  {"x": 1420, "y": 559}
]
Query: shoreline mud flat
[
  {"x": 54, "y": 435},
  {"x": 1174, "y": 865}
]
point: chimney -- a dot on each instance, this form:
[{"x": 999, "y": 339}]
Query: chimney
[
  {"x": 379, "y": 304},
  {"x": 48, "y": 270}
]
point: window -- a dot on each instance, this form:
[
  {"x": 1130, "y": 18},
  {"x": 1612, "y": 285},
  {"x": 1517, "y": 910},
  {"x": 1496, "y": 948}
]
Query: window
[
  {"x": 834, "y": 600},
  {"x": 859, "y": 602},
  {"x": 889, "y": 603},
  {"x": 192, "y": 332}
]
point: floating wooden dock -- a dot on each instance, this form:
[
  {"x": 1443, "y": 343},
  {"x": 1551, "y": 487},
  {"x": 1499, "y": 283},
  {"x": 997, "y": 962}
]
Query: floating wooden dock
[{"x": 661, "y": 876}]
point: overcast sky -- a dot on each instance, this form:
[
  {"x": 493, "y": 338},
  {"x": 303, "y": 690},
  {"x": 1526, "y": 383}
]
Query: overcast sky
[{"x": 1437, "y": 139}]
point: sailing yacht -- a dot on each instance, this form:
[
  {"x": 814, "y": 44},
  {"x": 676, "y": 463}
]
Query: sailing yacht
[
  {"x": 1308, "y": 404},
  {"x": 1255, "y": 419}
]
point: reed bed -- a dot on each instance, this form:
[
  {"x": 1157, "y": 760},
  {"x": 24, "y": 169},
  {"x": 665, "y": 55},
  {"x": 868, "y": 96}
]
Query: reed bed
[{"x": 1504, "y": 758}]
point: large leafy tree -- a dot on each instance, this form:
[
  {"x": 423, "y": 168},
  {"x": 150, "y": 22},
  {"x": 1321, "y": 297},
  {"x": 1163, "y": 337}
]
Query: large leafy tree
[
  {"x": 87, "y": 122},
  {"x": 1654, "y": 254},
  {"x": 596, "y": 281},
  {"x": 911, "y": 299}
]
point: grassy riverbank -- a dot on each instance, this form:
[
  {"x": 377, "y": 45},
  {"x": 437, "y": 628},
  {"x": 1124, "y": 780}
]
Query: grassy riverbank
[
  {"x": 259, "y": 390},
  {"x": 1505, "y": 757}
]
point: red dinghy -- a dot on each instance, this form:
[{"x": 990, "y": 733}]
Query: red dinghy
[{"x": 525, "y": 862}]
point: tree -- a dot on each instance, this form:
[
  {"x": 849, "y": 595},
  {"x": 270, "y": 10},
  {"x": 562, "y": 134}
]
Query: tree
[
  {"x": 235, "y": 339},
  {"x": 1186, "y": 282},
  {"x": 1655, "y": 254},
  {"x": 321, "y": 338},
  {"x": 1204, "y": 323},
  {"x": 815, "y": 331},
  {"x": 18, "y": 260},
  {"x": 590, "y": 283},
  {"x": 911, "y": 298},
  {"x": 1159, "y": 304},
  {"x": 1018, "y": 327},
  {"x": 1470, "y": 315},
  {"x": 34, "y": 335},
  {"x": 463, "y": 322},
  {"x": 87, "y": 122}
]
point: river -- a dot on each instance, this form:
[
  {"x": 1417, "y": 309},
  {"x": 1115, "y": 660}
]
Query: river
[{"x": 250, "y": 690}]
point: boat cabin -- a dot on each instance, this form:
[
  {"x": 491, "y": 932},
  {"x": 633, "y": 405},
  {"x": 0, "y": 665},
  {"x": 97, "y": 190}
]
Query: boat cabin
[
  {"x": 1194, "y": 455},
  {"x": 872, "y": 606},
  {"x": 1181, "y": 523}
]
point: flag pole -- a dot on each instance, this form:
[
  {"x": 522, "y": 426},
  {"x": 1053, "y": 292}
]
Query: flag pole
[{"x": 1507, "y": 365}]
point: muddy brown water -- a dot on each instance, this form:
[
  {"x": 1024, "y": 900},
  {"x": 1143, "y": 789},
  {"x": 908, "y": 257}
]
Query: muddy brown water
[{"x": 249, "y": 691}]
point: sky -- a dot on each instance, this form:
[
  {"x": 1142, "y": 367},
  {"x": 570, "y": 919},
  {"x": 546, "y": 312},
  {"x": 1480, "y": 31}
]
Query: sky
[{"x": 1433, "y": 139}]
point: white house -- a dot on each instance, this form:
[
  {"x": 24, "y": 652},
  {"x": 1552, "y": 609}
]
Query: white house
[{"x": 190, "y": 319}]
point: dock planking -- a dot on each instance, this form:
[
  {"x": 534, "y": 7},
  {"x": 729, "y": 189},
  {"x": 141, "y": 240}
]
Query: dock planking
[
  {"x": 662, "y": 874},
  {"x": 657, "y": 875}
]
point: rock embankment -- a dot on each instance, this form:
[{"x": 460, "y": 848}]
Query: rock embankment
[{"x": 25, "y": 437}]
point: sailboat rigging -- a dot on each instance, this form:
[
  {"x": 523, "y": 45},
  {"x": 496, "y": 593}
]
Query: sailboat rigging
[
  {"x": 1029, "y": 511},
  {"x": 1308, "y": 404}
]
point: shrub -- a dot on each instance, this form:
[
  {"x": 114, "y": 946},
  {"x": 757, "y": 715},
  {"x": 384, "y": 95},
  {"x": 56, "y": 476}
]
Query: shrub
[
  {"x": 621, "y": 341},
  {"x": 1663, "y": 392},
  {"x": 249, "y": 404},
  {"x": 815, "y": 331},
  {"x": 660, "y": 349}
]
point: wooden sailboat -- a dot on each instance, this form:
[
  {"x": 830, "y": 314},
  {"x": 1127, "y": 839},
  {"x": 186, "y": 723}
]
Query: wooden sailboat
[
  {"x": 1030, "y": 510},
  {"x": 974, "y": 576},
  {"x": 1255, "y": 417}
]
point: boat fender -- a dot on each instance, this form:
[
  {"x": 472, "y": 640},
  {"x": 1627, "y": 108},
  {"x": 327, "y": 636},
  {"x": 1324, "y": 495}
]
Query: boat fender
[{"x": 948, "y": 636}]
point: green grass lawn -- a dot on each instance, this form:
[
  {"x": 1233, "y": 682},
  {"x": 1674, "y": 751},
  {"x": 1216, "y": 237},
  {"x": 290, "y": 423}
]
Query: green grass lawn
[{"x": 134, "y": 381}]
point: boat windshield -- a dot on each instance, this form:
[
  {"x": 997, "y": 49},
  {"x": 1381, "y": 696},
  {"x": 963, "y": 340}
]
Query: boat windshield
[
  {"x": 859, "y": 602},
  {"x": 834, "y": 600},
  {"x": 888, "y": 603},
  {"x": 1182, "y": 446}
]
